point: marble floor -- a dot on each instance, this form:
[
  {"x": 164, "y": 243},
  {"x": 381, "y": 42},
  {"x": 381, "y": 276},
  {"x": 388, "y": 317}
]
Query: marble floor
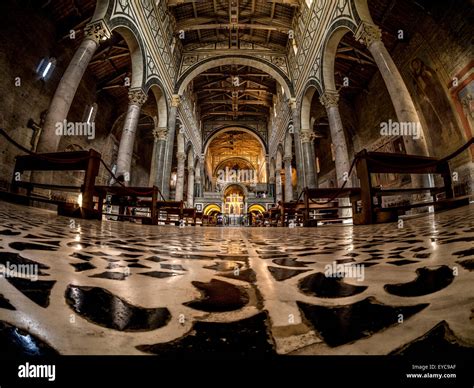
[{"x": 82, "y": 287}]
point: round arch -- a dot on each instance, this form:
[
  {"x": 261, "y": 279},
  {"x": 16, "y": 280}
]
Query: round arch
[
  {"x": 333, "y": 37},
  {"x": 243, "y": 60},
  {"x": 161, "y": 102},
  {"x": 228, "y": 128},
  {"x": 237, "y": 184},
  {"x": 308, "y": 94},
  {"x": 211, "y": 208},
  {"x": 257, "y": 208}
]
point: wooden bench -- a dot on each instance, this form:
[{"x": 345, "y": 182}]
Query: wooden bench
[
  {"x": 316, "y": 201},
  {"x": 171, "y": 210},
  {"x": 369, "y": 163},
  {"x": 129, "y": 197},
  {"x": 87, "y": 161}
]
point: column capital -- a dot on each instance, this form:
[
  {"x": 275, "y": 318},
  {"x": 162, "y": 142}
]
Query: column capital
[
  {"x": 97, "y": 31},
  {"x": 287, "y": 159},
  {"x": 307, "y": 136},
  {"x": 137, "y": 96},
  {"x": 330, "y": 98},
  {"x": 293, "y": 104},
  {"x": 160, "y": 133},
  {"x": 181, "y": 156},
  {"x": 190, "y": 170},
  {"x": 368, "y": 33},
  {"x": 175, "y": 100},
  {"x": 202, "y": 159}
]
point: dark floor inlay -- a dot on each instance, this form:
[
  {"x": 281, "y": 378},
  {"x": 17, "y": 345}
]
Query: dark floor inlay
[
  {"x": 223, "y": 266},
  {"x": 428, "y": 281},
  {"x": 103, "y": 308},
  {"x": 38, "y": 291},
  {"x": 5, "y": 303},
  {"x": 160, "y": 274},
  {"x": 9, "y": 258},
  {"x": 8, "y": 232},
  {"x": 439, "y": 340},
  {"x": 281, "y": 274},
  {"x": 155, "y": 259},
  {"x": 83, "y": 266},
  {"x": 110, "y": 275},
  {"x": 465, "y": 253},
  {"x": 137, "y": 265},
  {"x": 219, "y": 296},
  {"x": 343, "y": 324},
  {"x": 319, "y": 285},
  {"x": 16, "y": 342},
  {"x": 81, "y": 256},
  {"x": 467, "y": 264},
  {"x": 402, "y": 262},
  {"x": 289, "y": 262},
  {"x": 20, "y": 246},
  {"x": 247, "y": 337},
  {"x": 174, "y": 267}
]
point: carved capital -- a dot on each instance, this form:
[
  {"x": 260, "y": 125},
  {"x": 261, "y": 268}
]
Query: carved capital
[
  {"x": 137, "y": 97},
  {"x": 287, "y": 159},
  {"x": 330, "y": 98},
  {"x": 175, "y": 100},
  {"x": 307, "y": 136},
  {"x": 202, "y": 159},
  {"x": 292, "y": 103},
  {"x": 181, "y": 156},
  {"x": 190, "y": 170},
  {"x": 368, "y": 33},
  {"x": 97, "y": 31},
  {"x": 160, "y": 133}
]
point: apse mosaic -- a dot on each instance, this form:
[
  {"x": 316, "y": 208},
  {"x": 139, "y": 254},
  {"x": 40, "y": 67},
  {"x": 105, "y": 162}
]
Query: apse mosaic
[{"x": 124, "y": 288}]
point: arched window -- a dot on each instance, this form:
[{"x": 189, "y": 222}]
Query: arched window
[{"x": 46, "y": 68}]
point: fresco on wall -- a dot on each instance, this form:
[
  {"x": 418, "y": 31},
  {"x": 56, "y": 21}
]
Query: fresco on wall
[{"x": 442, "y": 130}]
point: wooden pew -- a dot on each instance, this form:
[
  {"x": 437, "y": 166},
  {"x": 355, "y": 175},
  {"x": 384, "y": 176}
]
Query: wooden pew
[
  {"x": 170, "y": 209},
  {"x": 87, "y": 161},
  {"x": 129, "y": 197},
  {"x": 189, "y": 214},
  {"x": 378, "y": 162},
  {"x": 316, "y": 201}
]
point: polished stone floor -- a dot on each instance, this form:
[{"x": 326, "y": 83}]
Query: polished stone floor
[{"x": 123, "y": 288}]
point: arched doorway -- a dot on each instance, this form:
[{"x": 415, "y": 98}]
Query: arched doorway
[{"x": 234, "y": 204}]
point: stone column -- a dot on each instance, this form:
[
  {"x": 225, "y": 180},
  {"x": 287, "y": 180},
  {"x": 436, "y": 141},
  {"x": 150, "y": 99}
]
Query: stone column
[
  {"x": 175, "y": 100},
  {"x": 278, "y": 186},
  {"x": 181, "y": 156},
  {"x": 124, "y": 158},
  {"x": 197, "y": 179},
  {"x": 94, "y": 33},
  {"x": 300, "y": 172},
  {"x": 330, "y": 100},
  {"x": 371, "y": 36},
  {"x": 159, "y": 148},
  {"x": 309, "y": 159},
  {"x": 288, "y": 184},
  {"x": 190, "y": 194}
]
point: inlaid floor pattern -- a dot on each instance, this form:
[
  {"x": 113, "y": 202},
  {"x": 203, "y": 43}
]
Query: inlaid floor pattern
[{"x": 124, "y": 288}]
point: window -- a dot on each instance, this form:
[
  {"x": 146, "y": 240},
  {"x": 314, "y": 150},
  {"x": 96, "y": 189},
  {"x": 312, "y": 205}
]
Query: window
[
  {"x": 295, "y": 46},
  {"x": 90, "y": 113},
  {"x": 46, "y": 67},
  {"x": 309, "y": 2}
]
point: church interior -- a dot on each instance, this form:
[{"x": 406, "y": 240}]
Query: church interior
[{"x": 255, "y": 178}]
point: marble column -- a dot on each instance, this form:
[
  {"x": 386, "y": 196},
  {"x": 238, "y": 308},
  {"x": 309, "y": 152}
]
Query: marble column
[
  {"x": 278, "y": 185},
  {"x": 300, "y": 172},
  {"x": 159, "y": 148},
  {"x": 168, "y": 161},
  {"x": 197, "y": 180},
  {"x": 124, "y": 159},
  {"x": 94, "y": 33},
  {"x": 309, "y": 159},
  {"x": 330, "y": 100},
  {"x": 371, "y": 36},
  {"x": 288, "y": 183},
  {"x": 181, "y": 156},
  {"x": 190, "y": 194}
]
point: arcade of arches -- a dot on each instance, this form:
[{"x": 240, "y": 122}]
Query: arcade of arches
[{"x": 233, "y": 110}]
